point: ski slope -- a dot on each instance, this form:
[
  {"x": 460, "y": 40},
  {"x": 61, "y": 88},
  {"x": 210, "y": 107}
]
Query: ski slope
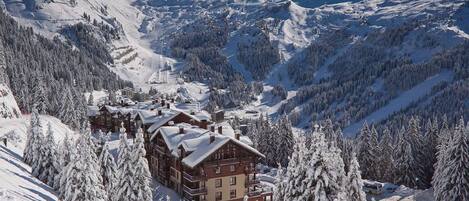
[{"x": 401, "y": 102}]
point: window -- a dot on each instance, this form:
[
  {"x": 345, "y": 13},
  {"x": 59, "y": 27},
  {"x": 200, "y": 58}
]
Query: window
[
  {"x": 218, "y": 183},
  {"x": 232, "y": 168},
  {"x": 202, "y": 197},
  {"x": 232, "y": 181},
  {"x": 233, "y": 194},
  {"x": 217, "y": 170},
  {"x": 218, "y": 196}
]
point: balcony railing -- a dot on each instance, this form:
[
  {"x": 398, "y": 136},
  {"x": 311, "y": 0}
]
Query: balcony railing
[
  {"x": 160, "y": 148},
  {"x": 253, "y": 182},
  {"x": 191, "y": 178},
  {"x": 195, "y": 191}
]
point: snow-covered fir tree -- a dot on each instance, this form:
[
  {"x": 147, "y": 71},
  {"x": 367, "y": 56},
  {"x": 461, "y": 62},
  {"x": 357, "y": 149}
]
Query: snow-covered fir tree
[
  {"x": 284, "y": 140},
  {"x": 50, "y": 162},
  {"x": 83, "y": 179},
  {"x": 415, "y": 138},
  {"x": 385, "y": 163},
  {"x": 444, "y": 139},
  {"x": 366, "y": 155},
  {"x": 325, "y": 174},
  {"x": 142, "y": 177},
  {"x": 39, "y": 95},
  {"x": 123, "y": 189},
  {"x": 91, "y": 99},
  {"x": 279, "y": 192},
  {"x": 354, "y": 184},
  {"x": 406, "y": 166},
  {"x": 295, "y": 174},
  {"x": 65, "y": 152},
  {"x": 453, "y": 177},
  {"x": 30, "y": 154},
  {"x": 108, "y": 171},
  {"x": 67, "y": 110}
]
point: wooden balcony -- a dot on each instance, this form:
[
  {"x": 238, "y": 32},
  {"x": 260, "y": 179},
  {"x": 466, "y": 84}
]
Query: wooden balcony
[
  {"x": 191, "y": 178},
  {"x": 252, "y": 182},
  {"x": 195, "y": 191}
]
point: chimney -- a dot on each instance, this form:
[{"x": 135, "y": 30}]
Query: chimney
[
  {"x": 160, "y": 112},
  {"x": 181, "y": 129},
  {"x": 220, "y": 129},
  {"x": 168, "y": 106},
  {"x": 163, "y": 102},
  {"x": 212, "y": 128},
  {"x": 172, "y": 100},
  {"x": 192, "y": 112},
  {"x": 212, "y": 138},
  {"x": 237, "y": 134}
]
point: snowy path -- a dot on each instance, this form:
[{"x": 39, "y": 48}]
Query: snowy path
[
  {"x": 230, "y": 52},
  {"x": 401, "y": 102}
]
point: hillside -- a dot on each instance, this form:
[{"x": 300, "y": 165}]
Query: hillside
[{"x": 353, "y": 61}]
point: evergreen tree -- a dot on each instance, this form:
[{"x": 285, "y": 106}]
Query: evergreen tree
[
  {"x": 430, "y": 145},
  {"x": 284, "y": 141},
  {"x": 91, "y": 99},
  {"x": 125, "y": 172},
  {"x": 83, "y": 180},
  {"x": 406, "y": 167},
  {"x": 279, "y": 193},
  {"x": 415, "y": 139},
  {"x": 66, "y": 111},
  {"x": 51, "y": 163},
  {"x": 108, "y": 171},
  {"x": 325, "y": 175},
  {"x": 65, "y": 156},
  {"x": 366, "y": 155},
  {"x": 354, "y": 184},
  {"x": 142, "y": 178},
  {"x": 39, "y": 95},
  {"x": 296, "y": 171},
  {"x": 444, "y": 138},
  {"x": 386, "y": 165},
  {"x": 454, "y": 176},
  {"x": 33, "y": 138}
]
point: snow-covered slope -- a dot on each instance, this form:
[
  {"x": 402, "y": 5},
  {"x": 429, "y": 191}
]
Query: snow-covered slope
[{"x": 16, "y": 181}]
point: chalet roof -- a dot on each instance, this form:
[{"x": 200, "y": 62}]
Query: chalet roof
[
  {"x": 152, "y": 117},
  {"x": 92, "y": 111},
  {"x": 197, "y": 141}
]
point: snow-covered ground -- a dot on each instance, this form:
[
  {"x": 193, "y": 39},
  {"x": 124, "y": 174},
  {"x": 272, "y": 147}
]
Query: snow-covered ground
[{"x": 16, "y": 181}]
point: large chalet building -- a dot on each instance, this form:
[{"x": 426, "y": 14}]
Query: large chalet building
[
  {"x": 186, "y": 151},
  {"x": 202, "y": 164}
]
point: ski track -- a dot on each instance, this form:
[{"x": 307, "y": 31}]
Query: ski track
[{"x": 401, "y": 102}]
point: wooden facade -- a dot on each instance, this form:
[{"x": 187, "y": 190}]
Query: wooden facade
[
  {"x": 111, "y": 121},
  {"x": 227, "y": 174}
]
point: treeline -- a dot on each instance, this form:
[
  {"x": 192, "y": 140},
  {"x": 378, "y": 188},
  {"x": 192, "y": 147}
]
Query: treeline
[
  {"x": 51, "y": 74},
  {"x": 418, "y": 156}
]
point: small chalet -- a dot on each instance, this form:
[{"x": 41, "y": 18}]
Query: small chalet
[{"x": 202, "y": 164}]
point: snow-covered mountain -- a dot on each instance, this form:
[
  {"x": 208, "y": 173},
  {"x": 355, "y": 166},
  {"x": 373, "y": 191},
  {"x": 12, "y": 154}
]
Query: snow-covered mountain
[{"x": 353, "y": 61}]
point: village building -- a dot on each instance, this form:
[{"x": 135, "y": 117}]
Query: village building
[{"x": 201, "y": 164}]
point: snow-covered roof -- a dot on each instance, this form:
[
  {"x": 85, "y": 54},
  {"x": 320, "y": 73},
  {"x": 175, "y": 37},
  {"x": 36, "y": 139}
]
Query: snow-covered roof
[
  {"x": 152, "y": 117},
  {"x": 92, "y": 111},
  {"x": 197, "y": 141}
]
